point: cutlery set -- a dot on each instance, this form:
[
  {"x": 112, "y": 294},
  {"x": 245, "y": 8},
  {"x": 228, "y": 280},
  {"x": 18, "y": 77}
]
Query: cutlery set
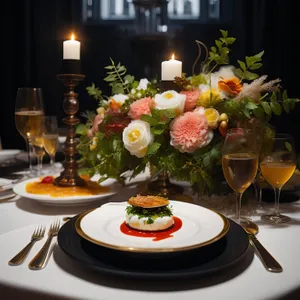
[{"x": 40, "y": 260}]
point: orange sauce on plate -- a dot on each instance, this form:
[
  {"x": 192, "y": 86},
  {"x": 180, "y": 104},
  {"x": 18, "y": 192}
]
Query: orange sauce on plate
[
  {"x": 48, "y": 188},
  {"x": 156, "y": 235}
]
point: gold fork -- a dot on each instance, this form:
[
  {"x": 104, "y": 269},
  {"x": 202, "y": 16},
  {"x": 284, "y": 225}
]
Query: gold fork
[
  {"x": 37, "y": 235},
  {"x": 41, "y": 258}
]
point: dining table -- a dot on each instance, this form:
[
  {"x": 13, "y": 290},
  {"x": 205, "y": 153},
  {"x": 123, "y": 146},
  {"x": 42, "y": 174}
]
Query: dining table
[{"x": 64, "y": 278}]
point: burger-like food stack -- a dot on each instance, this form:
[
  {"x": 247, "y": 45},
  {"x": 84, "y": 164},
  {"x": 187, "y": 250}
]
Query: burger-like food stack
[{"x": 149, "y": 213}]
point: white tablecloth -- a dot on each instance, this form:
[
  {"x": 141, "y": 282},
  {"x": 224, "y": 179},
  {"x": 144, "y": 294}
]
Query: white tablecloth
[{"x": 64, "y": 279}]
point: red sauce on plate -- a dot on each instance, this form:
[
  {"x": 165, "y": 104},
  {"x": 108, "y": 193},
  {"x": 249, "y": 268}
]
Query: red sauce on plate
[{"x": 156, "y": 235}]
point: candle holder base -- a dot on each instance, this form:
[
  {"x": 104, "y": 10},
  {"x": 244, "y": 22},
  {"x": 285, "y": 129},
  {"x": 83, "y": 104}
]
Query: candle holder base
[
  {"x": 66, "y": 179},
  {"x": 163, "y": 187},
  {"x": 166, "y": 85}
]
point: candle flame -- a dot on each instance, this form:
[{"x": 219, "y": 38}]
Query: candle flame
[
  {"x": 72, "y": 37},
  {"x": 173, "y": 56}
]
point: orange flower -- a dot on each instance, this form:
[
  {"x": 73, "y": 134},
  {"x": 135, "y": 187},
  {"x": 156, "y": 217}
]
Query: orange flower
[{"x": 231, "y": 86}]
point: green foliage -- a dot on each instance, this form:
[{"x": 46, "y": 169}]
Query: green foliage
[
  {"x": 288, "y": 146},
  {"x": 263, "y": 110},
  {"x": 196, "y": 80},
  {"x": 219, "y": 54},
  {"x": 149, "y": 214},
  {"x": 82, "y": 129},
  {"x": 117, "y": 78},
  {"x": 252, "y": 63},
  {"x": 89, "y": 116}
]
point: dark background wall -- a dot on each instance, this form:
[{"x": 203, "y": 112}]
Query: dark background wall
[{"x": 33, "y": 32}]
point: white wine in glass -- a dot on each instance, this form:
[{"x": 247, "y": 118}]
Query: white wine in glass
[
  {"x": 278, "y": 164},
  {"x": 240, "y": 170},
  {"x": 29, "y": 112},
  {"x": 50, "y": 143},
  {"x": 240, "y": 163},
  {"x": 29, "y": 123},
  {"x": 50, "y": 139}
]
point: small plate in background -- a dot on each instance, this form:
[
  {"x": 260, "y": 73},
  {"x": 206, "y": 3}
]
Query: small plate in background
[{"x": 20, "y": 189}]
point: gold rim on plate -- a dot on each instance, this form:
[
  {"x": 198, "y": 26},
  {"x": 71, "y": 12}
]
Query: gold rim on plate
[{"x": 225, "y": 229}]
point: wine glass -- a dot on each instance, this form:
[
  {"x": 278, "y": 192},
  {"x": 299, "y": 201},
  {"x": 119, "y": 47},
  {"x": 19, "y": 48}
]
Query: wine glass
[
  {"x": 240, "y": 162},
  {"x": 29, "y": 111},
  {"x": 50, "y": 139},
  {"x": 277, "y": 164}
]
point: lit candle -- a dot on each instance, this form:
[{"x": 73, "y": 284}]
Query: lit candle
[
  {"x": 71, "y": 49},
  {"x": 170, "y": 69}
]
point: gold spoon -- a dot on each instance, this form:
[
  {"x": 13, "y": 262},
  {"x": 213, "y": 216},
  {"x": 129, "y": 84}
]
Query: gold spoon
[{"x": 270, "y": 263}]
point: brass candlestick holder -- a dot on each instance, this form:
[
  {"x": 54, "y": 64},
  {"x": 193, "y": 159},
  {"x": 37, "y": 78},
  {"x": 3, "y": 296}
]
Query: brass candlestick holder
[
  {"x": 163, "y": 187},
  {"x": 69, "y": 176}
]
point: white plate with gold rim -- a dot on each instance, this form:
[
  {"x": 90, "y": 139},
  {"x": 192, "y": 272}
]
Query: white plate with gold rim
[
  {"x": 200, "y": 227},
  {"x": 112, "y": 185}
]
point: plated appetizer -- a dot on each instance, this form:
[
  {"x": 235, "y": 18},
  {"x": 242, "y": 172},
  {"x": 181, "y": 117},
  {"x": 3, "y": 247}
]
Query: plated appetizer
[
  {"x": 149, "y": 213},
  {"x": 45, "y": 186}
]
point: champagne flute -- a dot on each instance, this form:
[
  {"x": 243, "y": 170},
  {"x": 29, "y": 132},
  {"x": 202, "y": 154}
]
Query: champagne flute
[
  {"x": 50, "y": 139},
  {"x": 240, "y": 163},
  {"x": 277, "y": 164},
  {"x": 29, "y": 111}
]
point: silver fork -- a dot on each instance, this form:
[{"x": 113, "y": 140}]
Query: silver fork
[
  {"x": 37, "y": 235},
  {"x": 41, "y": 258}
]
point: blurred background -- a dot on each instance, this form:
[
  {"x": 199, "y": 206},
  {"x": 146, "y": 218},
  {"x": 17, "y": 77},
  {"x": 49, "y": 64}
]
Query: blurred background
[{"x": 140, "y": 34}]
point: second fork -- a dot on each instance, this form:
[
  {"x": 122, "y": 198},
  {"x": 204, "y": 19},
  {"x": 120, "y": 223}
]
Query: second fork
[{"x": 40, "y": 260}]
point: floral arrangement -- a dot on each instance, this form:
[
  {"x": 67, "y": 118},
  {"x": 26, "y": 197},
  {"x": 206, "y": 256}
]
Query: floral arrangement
[{"x": 179, "y": 131}]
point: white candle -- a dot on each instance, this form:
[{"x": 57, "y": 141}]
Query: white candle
[
  {"x": 170, "y": 69},
  {"x": 71, "y": 49}
]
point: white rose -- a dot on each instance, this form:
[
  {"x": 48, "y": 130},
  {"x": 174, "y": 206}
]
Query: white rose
[
  {"x": 170, "y": 100},
  {"x": 118, "y": 99},
  {"x": 143, "y": 84},
  {"x": 137, "y": 137}
]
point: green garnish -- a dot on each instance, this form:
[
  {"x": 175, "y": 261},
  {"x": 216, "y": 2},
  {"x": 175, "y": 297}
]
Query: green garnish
[{"x": 151, "y": 213}]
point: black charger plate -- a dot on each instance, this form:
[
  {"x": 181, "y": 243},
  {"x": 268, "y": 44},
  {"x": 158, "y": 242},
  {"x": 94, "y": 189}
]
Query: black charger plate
[{"x": 197, "y": 262}]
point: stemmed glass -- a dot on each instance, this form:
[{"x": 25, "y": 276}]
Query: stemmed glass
[
  {"x": 29, "y": 112},
  {"x": 50, "y": 139},
  {"x": 240, "y": 163},
  {"x": 277, "y": 164}
]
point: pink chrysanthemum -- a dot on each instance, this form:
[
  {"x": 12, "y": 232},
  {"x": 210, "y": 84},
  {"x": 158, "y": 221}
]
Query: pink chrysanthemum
[
  {"x": 189, "y": 132},
  {"x": 192, "y": 97},
  {"x": 97, "y": 121},
  {"x": 140, "y": 107}
]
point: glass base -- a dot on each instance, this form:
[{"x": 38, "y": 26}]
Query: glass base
[
  {"x": 241, "y": 220},
  {"x": 275, "y": 218}
]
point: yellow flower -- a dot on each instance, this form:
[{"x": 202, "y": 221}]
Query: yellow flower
[
  {"x": 93, "y": 145},
  {"x": 100, "y": 110},
  {"x": 212, "y": 116},
  {"x": 209, "y": 98}
]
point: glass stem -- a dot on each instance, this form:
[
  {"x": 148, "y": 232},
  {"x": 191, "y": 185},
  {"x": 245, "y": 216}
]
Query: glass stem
[
  {"x": 238, "y": 206},
  {"x": 52, "y": 161},
  {"x": 39, "y": 162},
  {"x": 277, "y": 196},
  {"x": 260, "y": 196},
  {"x": 30, "y": 152}
]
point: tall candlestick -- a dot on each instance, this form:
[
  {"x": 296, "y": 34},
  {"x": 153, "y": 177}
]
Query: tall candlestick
[
  {"x": 71, "y": 49},
  {"x": 170, "y": 69}
]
